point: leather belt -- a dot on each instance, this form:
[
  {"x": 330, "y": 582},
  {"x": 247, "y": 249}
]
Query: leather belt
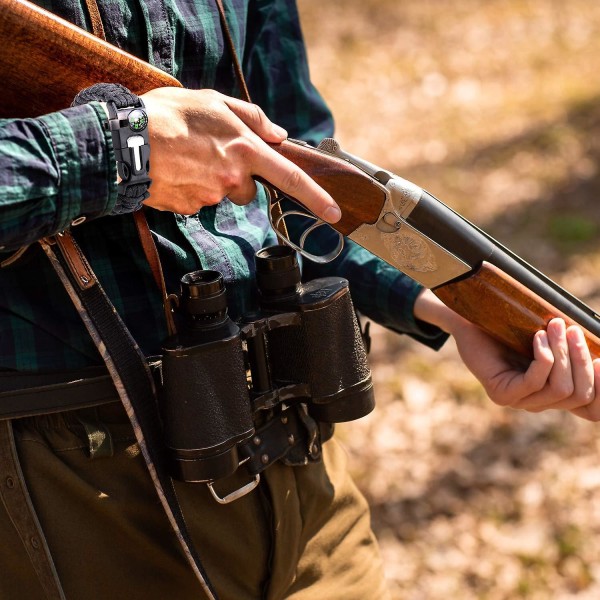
[
  {"x": 290, "y": 435},
  {"x": 26, "y": 394}
]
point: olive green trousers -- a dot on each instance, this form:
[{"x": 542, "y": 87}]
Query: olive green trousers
[{"x": 303, "y": 533}]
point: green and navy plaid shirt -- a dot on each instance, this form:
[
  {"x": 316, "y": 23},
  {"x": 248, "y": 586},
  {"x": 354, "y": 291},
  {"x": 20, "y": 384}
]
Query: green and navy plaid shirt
[{"x": 61, "y": 166}]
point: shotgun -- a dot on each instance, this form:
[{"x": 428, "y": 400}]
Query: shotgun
[{"x": 395, "y": 219}]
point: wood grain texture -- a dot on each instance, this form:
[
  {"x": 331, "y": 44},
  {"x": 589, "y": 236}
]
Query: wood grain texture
[
  {"x": 504, "y": 308},
  {"x": 45, "y": 61},
  {"x": 359, "y": 198}
]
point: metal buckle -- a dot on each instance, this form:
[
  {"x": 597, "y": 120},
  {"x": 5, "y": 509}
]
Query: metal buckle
[{"x": 245, "y": 489}]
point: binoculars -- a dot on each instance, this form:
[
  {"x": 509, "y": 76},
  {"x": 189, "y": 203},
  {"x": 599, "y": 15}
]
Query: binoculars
[{"x": 303, "y": 344}]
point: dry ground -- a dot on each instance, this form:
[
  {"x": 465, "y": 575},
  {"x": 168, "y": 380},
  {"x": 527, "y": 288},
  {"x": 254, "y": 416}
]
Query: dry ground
[{"x": 493, "y": 106}]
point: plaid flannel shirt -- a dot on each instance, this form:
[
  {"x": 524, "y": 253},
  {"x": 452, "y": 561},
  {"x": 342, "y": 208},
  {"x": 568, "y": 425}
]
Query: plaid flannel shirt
[{"x": 59, "y": 167}]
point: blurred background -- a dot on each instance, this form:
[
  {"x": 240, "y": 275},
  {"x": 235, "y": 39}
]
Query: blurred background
[{"x": 494, "y": 107}]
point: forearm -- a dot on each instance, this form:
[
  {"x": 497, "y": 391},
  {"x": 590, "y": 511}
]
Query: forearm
[
  {"x": 430, "y": 309},
  {"x": 53, "y": 170}
]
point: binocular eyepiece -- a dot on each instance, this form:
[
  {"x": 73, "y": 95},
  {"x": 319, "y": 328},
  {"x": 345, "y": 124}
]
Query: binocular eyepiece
[
  {"x": 304, "y": 345},
  {"x": 203, "y": 298},
  {"x": 277, "y": 274}
]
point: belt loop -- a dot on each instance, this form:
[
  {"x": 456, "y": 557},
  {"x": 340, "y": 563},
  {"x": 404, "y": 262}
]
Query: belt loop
[{"x": 19, "y": 507}]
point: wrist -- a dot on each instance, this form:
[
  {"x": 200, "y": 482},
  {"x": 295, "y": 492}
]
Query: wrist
[{"x": 430, "y": 309}]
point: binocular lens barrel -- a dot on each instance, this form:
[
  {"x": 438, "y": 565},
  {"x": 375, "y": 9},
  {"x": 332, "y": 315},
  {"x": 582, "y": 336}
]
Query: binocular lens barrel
[
  {"x": 325, "y": 349},
  {"x": 206, "y": 403}
]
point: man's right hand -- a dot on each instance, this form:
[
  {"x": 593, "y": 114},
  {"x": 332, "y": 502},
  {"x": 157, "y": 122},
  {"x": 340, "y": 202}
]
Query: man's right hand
[{"x": 205, "y": 146}]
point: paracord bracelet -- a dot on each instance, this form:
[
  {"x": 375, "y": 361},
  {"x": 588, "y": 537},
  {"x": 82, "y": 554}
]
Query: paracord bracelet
[{"x": 128, "y": 124}]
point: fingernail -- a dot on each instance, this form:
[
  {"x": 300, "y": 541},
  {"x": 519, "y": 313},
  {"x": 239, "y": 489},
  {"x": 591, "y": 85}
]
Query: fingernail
[
  {"x": 332, "y": 214},
  {"x": 280, "y": 131}
]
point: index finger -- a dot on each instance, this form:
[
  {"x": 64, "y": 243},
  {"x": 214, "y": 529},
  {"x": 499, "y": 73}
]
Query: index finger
[{"x": 292, "y": 181}]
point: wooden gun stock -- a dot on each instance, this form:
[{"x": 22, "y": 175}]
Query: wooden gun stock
[
  {"x": 49, "y": 60},
  {"x": 45, "y": 61}
]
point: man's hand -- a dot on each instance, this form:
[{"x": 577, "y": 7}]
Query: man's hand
[
  {"x": 562, "y": 374},
  {"x": 205, "y": 146}
]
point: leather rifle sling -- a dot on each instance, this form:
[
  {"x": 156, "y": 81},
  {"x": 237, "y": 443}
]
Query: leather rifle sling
[
  {"x": 125, "y": 362},
  {"x": 275, "y": 207}
]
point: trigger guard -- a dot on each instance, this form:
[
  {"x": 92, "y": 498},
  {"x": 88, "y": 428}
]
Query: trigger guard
[{"x": 319, "y": 259}]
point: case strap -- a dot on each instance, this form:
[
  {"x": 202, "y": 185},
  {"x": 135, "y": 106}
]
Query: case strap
[
  {"x": 237, "y": 66},
  {"x": 131, "y": 377},
  {"x": 153, "y": 259},
  {"x": 95, "y": 19},
  {"x": 141, "y": 223}
]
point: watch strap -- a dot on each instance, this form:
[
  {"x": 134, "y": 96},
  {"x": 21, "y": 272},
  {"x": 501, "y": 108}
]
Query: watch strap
[
  {"x": 133, "y": 187},
  {"x": 107, "y": 92}
]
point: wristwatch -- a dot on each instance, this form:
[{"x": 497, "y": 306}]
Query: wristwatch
[
  {"x": 129, "y": 130},
  {"x": 128, "y": 125}
]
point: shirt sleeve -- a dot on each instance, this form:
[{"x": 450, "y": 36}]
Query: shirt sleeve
[
  {"x": 54, "y": 169},
  {"x": 279, "y": 81}
]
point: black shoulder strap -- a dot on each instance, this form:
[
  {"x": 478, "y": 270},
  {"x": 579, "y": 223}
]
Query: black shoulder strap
[{"x": 131, "y": 376}]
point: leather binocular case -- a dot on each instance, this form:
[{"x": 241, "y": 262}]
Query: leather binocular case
[{"x": 303, "y": 345}]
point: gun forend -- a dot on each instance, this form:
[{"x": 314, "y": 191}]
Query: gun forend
[{"x": 505, "y": 308}]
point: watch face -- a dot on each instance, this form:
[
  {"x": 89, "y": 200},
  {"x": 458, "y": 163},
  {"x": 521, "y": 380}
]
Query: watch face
[{"x": 138, "y": 120}]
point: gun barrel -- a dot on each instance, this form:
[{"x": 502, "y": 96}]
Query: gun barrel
[{"x": 464, "y": 239}]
